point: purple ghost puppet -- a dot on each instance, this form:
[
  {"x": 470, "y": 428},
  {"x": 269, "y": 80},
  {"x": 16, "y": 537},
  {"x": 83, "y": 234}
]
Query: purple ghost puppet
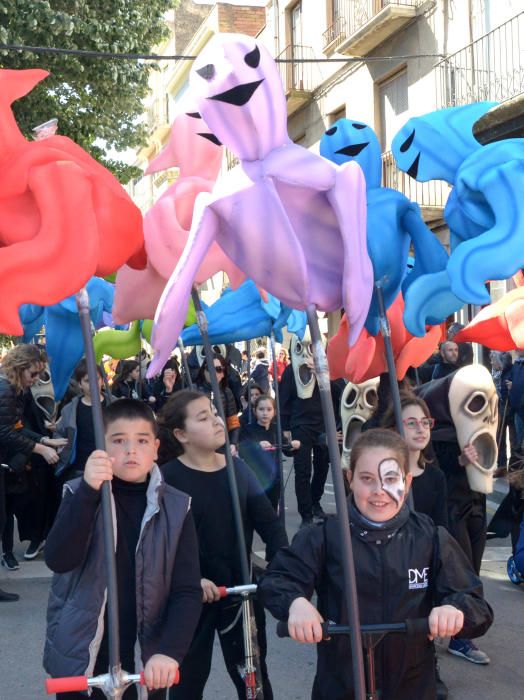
[{"x": 292, "y": 221}]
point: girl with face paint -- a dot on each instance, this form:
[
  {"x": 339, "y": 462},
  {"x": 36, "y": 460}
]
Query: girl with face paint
[{"x": 405, "y": 566}]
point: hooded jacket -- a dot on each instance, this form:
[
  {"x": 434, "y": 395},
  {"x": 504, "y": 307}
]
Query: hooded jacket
[
  {"x": 404, "y": 567},
  {"x": 77, "y": 600}
]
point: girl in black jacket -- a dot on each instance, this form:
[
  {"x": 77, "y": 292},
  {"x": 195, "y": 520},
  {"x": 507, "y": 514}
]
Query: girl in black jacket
[
  {"x": 258, "y": 447},
  {"x": 406, "y": 567},
  {"x": 194, "y": 433}
]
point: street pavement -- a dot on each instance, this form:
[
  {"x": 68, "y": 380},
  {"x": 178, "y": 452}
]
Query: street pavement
[{"x": 291, "y": 665}]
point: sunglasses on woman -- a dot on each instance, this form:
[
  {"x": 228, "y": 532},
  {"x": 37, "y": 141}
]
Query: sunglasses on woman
[{"x": 218, "y": 369}]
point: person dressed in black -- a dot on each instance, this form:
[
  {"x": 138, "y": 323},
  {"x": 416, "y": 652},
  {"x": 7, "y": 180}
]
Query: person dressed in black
[
  {"x": 193, "y": 432},
  {"x": 127, "y": 383},
  {"x": 158, "y": 574},
  {"x": 203, "y": 384},
  {"x": 165, "y": 384},
  {"x": 449, "y": 360},
  {"x": 258, "y": 447},
  {"x": 405, "y": 566}
]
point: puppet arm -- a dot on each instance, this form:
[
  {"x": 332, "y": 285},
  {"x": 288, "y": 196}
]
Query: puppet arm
[
  {"x": 348, "y": 199},
  {"x": 429, "y": 300},
  {"x": 498, "y": 253},
  {"x": 298, "y": 166},
  {"x": 430, "y": 255},
  {"x": 172, "y": 308}
]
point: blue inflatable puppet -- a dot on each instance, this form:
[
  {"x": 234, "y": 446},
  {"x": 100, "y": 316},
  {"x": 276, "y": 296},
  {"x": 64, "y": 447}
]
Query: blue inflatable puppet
[
  {"x": 393, "y": 221},
  {"x": 64, "y": 342},
  {"x": 243, "y": 315},
  {"x": 484, "y": 211}
]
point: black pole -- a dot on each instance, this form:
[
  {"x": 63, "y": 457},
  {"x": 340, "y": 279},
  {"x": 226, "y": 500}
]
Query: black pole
[
  {"x": 385, "y": 329},
  {"x": 348, "y": 568},
  {"x": 249, "y": 409},
  {"x": 233, "y": 487},
  {"x": 82, "y": 301},
  {"x": 185, "y": 365},
  {"x": 139, "y": 386},
  {"x": 281, "y": 499}
]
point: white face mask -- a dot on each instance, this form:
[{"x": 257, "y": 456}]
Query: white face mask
[
  {"x": 473, "y": 403},
  {"x": 44, "y": 395},
  {"x": 356, "y": 406},
  {"x": 303, "y": 365}
]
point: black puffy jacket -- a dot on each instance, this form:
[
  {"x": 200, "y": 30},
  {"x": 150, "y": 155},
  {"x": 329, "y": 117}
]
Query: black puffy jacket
[
  {"x": 403, "y": 570},
  {"x": 13, "y": 440}
]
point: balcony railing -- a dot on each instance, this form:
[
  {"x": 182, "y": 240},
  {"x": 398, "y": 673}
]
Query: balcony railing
[
  {"x": 351, "y": 15},
  {"x": 426, "y": 194},
  {"x": 295, "y": 75},
  {"x": 491, "y": 68},
  {"x": 231, "y": 159}
]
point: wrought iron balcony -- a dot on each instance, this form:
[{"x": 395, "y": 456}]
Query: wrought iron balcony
[
  {"x": 430, "y": 196},
  {"x": 158, "y": 114},
  {"x": 491, "y": 68},
  {"x": 359, "y": 26},
  {"x": 297, "y": 77}
]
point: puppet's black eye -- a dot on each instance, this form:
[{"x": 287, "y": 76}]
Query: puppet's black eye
[
  {"x": 477, "y": 403},
  {"x": 358, "y": 126},
  {"x": 371, "y": 398},
  {"x": 253, "y": 58},
  {"x": 207, "y": 72},
  {"x": 351, "y": 398},
  {"x": 194, "y": 115},
  {"x": 331, "y": 131},
  {"x": 407, "y": 143},
  {"x": 298, "y": 348}
]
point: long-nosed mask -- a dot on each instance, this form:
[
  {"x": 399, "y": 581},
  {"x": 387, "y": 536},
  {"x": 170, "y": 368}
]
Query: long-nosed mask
[
  {"x": 473, "y": 404},
  {"x": 356, "y": 406}
]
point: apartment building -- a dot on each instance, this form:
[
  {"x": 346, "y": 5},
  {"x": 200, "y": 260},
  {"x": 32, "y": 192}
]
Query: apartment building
[{"x": 376, "y": 61}]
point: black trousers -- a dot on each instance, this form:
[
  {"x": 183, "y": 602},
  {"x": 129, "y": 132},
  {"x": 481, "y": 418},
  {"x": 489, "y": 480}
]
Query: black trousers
[
  {"x": 3, "y": 514},
  {"x": 224, "y": 617},
  {"x": 311, "y": 465},
  {"x": 467, "y": 524}
]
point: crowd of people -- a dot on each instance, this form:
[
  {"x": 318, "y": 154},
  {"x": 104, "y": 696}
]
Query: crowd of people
[{"x": 176, "y": 534}]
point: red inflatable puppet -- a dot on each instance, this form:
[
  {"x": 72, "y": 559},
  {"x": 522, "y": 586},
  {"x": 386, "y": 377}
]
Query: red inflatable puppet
[
  {"x": 499, "y": 326},
  {"x": 367, "y": 358},
  {"x": 63, "y": 216}
]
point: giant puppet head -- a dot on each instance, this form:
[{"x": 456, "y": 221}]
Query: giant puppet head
[
  {"x": 235, "y": 71},
  {"x": 356, "y": 406},
  {"x": 350, "y": 140},
  {"x": 465, "y": 407}
]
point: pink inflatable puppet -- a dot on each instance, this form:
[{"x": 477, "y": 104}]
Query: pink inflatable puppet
[
  {"x": 367, "y": 358},
  {"x": 292, "y": 221},
  {"x": 198, "y": 155},
  {"x": 48, "y": 251}
]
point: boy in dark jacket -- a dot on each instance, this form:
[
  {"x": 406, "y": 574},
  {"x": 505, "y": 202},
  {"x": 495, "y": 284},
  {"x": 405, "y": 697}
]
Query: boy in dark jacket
[
  {"x": 405, "y": 567},
  {"x": 158, "y": 573}
]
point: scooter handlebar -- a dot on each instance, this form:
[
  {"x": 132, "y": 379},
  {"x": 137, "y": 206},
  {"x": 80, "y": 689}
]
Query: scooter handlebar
[
  {"x": 418, "y": 627},
  {"x": 66, "y": 685}
]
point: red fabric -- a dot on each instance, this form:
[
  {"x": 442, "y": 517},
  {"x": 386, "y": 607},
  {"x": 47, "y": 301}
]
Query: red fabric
[
  {"x": 367, "y": 357},
  {"x": 63, "y": 216}
]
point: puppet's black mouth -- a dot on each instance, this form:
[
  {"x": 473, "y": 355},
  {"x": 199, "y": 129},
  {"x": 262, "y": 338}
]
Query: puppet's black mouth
[
  {"x": 239, "y": 95},
  {"x": 212, "y": 138},
  {"x": 305, "y": 374},
  {"x": 487, "y": 450},
  {"x": 353, "y": 430},
  {"x": 413, "y": 168},
  {"x": 352, "y": 150}
]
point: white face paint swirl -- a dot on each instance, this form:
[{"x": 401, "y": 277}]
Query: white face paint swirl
[{"x": 392, "y": 479}]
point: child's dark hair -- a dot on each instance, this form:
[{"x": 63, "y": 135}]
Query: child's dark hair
[
  {"x": 249, "y": 388},
  {"x": 124, "y": 370},
  {"x": 172, "y": 416},
  {"x": 380, "y": 437},
  {"x": 264, "y": 397},
  {"x": 130, "y": 409},
  {"x": 81, "y": 371}
]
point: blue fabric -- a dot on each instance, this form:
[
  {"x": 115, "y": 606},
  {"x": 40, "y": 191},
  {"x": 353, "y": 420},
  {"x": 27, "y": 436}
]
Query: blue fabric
[
  {"x": 393, "y": 222},
  {"x": 483, "y": 212},
  {"x": 519, "y": 549},
  {"x": 243, "y": 315}
]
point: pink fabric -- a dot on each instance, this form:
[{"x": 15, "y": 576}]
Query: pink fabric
[{"x": 290, "y": 220}]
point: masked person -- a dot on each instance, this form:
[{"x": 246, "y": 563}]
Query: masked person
[
  {"x": 405, "y": 566},
  {"x": 464, "y": 405},
  {"x": 302, "y": 420}
]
